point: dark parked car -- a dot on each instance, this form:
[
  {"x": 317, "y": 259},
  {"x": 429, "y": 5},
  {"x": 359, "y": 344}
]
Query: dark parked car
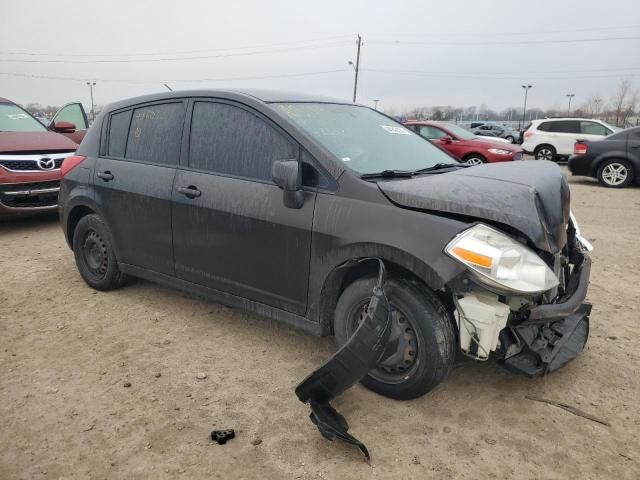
[
  {"x": 31, "y": 155},
  {"x": 465, "y": 146},
  {"x": 272, "y": 202},
  {"x": 614, "y": 160}
]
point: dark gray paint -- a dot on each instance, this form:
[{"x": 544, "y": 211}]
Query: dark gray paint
[{"x": 236, "y": 243}]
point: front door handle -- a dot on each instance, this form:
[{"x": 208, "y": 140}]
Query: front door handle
[
  {"x": 190, "y": 192},
  {"x": 106, "y": 176}
]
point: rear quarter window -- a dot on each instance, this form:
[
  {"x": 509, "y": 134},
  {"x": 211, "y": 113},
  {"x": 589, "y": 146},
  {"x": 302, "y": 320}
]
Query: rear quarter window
[
  {"x": 118, "y": 130},
  {"x": 155, "y": 133},
  {"x": 543, "y": 127}
]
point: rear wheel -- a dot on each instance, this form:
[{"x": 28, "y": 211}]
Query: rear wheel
[
  {"x": 510, "y": 138},
  {"x": 94, "y": 254},
  {"x": 615, "y": 173},
  {"x": 545, "y": 152},
  {"x": 474, "y": 159},
  {"x": 421, "y": 346}
]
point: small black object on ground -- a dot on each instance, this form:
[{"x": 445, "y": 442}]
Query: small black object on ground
[{"x": 222, "y": 436}]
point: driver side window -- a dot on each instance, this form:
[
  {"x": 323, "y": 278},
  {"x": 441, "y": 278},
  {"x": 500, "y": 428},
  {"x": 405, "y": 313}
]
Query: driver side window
[{"x": 431, "y": 133}]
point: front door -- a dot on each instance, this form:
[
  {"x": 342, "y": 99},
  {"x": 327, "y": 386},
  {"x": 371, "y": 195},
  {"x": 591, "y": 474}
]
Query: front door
[
  {"x": 133, "y": 182},
  {"x": 231, "y": 229},
  {"x": 74, "y": 114}
]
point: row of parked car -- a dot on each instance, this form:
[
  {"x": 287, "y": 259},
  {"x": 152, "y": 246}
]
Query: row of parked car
[{"x": 31, "y": 154}]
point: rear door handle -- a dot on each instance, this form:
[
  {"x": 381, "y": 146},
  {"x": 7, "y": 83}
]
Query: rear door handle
[
  {"x": 190, "y": 192},
  {"x": 106, "y": 176}
]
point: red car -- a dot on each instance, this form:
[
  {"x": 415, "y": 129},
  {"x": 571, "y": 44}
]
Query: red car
[
  {"x": 464, "y": 145},
  {"x": 31, "y": 156}
]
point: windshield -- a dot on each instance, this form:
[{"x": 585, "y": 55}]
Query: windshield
[
  {"x": 363, "y": 139},
  {"x": 14, "y": 119},
  {"x": 459, "y": 132}
]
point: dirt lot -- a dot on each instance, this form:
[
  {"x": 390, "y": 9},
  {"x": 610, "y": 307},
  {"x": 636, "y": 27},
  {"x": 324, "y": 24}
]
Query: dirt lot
[{"x": 66, "y": 353}]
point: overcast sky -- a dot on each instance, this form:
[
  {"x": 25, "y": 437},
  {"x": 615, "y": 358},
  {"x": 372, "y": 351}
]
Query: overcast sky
[{"x": 464, "y": 52}]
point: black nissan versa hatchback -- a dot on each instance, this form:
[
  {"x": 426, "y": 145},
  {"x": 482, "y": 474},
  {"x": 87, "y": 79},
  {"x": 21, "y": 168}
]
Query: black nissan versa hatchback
[{"x": 270, "y": 202}]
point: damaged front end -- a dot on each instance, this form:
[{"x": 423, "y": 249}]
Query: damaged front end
[{"x": 531, "y": 333}]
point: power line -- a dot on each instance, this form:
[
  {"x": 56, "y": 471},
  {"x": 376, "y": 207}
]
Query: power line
[
  {"x": 503, "y": 34},
  {"x": 175, "y": 80},
  {"x": 479, "y": 76},
  {"x": 173, "y": 59},
  {"x": 504, "y": 42},
  {"x": 188, "y": 52}
]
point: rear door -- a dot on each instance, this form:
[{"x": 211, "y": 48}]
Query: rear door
[
  {"x": 72, "y": 113},
  {"x": 564, "y": 134},
  {"x": 133, "y": 181},
  {"x": 231, "y": 229}
]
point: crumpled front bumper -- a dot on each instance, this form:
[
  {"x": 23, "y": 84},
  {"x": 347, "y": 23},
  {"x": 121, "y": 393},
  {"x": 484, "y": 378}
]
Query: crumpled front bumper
[{"x": 554, "y": 333}]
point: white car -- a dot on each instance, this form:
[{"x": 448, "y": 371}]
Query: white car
[{"x": 554, "y": 138}]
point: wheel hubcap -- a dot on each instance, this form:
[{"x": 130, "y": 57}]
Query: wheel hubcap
[
  {"x": 474, "y": 161},
  {"x": 545, "y": 154},
  {"x": 95, "y": 253},
  {"x": 402, "y": 347},
  {"x": 614, "y": 174}
]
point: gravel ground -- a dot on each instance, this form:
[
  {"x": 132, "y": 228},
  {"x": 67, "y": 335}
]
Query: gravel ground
[{"x": 110, "y": 385}]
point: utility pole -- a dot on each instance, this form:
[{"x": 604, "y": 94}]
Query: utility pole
[
  {"x": 570, "y": 97},
  {"x": 356, "y": 68},
  {"x": 93, "y": 113},
  {"x": 524, "y": 110}
]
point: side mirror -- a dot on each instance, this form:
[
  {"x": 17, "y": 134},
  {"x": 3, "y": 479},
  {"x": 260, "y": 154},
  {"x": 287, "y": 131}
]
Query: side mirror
[
  {"x": 63, "y": 127},
  {"x": 287, "y": 174},
  {"x": 446, "y": 139}
]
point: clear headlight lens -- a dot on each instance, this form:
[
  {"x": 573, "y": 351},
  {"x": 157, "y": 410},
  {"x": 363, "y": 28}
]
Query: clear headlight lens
[
  {"x": 501, "y": 261},
  {"x": 499, "y": 151}
]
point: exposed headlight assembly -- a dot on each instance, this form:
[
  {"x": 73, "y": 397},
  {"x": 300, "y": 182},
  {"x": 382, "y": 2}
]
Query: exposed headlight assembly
[
  {"x": 500, "y": 261},
  {"x": 500, "y": 151}
]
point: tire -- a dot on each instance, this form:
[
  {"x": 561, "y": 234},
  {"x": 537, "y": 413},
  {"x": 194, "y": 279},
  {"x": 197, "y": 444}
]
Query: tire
[
  {"x": 95, "y": 258},
  {"x": 545, "y": 152},
  {"x": 510, "y": 138},
  {"x": 615, "y": 173},
  {"x": 424, "y": 331},
  {"x": 474, "y": 159}
]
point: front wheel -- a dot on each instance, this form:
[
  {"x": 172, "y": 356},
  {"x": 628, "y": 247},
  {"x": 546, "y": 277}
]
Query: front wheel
[
  {"x": 615, "y": 173},
  {"x": 421, "y": 346},
  {"x": 510, "y": 138},
  {"x": 474, "y": 159}
]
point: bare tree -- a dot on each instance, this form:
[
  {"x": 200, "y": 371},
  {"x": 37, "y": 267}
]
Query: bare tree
[
  {"x": 620, "y": 98},
  {"x": 594, "y": 105}
]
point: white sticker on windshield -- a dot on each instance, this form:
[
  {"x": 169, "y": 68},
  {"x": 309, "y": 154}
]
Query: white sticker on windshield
[
  {"x": 17, "y": 116},
  {"x": 346, "y": 159},
  {"x": 394, "y": 129}
]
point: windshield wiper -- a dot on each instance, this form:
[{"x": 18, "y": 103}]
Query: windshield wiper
[
  {"x": 388, "y": 174},
  {"x": 440, "y": 166}
]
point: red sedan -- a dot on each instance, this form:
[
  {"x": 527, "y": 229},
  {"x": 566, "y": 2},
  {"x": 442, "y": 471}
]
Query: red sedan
[{"x": 464, "y": 145}]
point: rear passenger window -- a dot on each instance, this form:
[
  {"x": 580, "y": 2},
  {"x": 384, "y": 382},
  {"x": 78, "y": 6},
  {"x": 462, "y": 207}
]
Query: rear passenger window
[
  {"x": 565, "y": 126},
  {"x": 118, "y": 130},
  {"x": 592, "y": 128},
  {"x": 155, "y": 133},
  {"x": 431, "y": 133},
  {"x": 230, "y": 140}
]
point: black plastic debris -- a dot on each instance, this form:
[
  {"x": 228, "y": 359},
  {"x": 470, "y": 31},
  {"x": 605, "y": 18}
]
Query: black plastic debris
[
  {"x": 222, "y": 436},
  {"x": 362, "y": 352}
]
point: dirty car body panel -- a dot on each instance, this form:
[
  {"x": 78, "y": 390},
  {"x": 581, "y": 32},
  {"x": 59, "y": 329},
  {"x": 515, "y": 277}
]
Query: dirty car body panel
[{"x": 228, "y": 224}]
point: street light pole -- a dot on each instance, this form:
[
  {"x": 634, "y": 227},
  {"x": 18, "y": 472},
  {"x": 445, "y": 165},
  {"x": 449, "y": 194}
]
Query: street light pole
[
  {"x": 356, "y": 67},
  {"x": 570, "y": 97},
  {"x": 375, "y": 103},
  {"x": 524, "y": 109},
  {"x": 93, "y": 113}
]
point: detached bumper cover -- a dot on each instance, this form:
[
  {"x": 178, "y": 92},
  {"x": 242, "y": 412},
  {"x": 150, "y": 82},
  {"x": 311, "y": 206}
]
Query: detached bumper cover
[
  {"x": 555, "y": 333},
  {"x": 348, "y": 365}
]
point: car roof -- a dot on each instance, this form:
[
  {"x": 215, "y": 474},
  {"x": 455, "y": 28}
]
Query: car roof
[
  {"x": 556, "y": 119},
  {"x": 5, "y": 100},
  {"x": 266, "y": 96}
]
